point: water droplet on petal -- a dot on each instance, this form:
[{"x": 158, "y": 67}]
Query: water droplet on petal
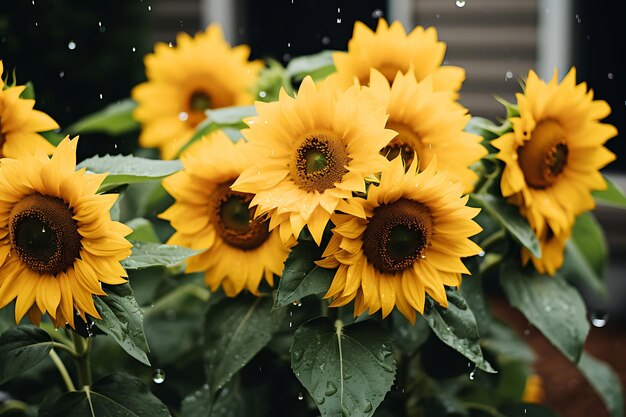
[
  {"x": 158, "y": 376},
  {"x": 481, "y": 253},
  {"x": 183, "y": 116}
]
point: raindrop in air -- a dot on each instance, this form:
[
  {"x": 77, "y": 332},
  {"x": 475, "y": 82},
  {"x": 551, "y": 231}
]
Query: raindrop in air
[
  {"x": 610, "y": 75},
  {"x": 100, "y": 96},
  {"x": 300, "y": 396},
  {"x": 134, "y": 49},
  {"x": 288, "y": 44},
  {"x": 509, "y": 75},
  {"x": 599, "y": 318},
  {"x": 71, "y": 45},
  {"x": 472, "y": 375},
  {"x": 460, "y": 3},
  {"x": 149, "y": 8},
  {"x": 338, "y": 20},
  {"x": 578, "y": 19},
  {"x": 158, "y": 376},
  {"x": 377, "y": 13},
  {"x": 325, "y": 40}
]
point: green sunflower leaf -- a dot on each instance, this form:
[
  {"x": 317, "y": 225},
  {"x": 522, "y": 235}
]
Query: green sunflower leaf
[
  {"x": 236, "y": 329},
  {"x": 613, "y": 196},
  {"x": 318, "y": 66},
  {"x": 147, "y": 254},
  {"x": 21, "y": 348},
  {"x": 29, "y": 91},
  {"x": 128, "y": 169},
  {"x": 301, "y": 277},
  {"x": 346, "y": 369},
  {"x": 226, "y": 118},
  {"x": 143, "y": 231},
  {"x": 550, "y": 304},
  {"x": 201, "y": 403},
  {"x": 115, "y": 119},
  {"x": 510, "y": 218},
  {"x": 122, "y": 319},
  {"x": 605, "y": 382},
  {"x": 117, "y": 394},
  {"x": 586, "y": 255},
  {"x": 456, "y": 327},
  {"x": 486, "y": 128}
]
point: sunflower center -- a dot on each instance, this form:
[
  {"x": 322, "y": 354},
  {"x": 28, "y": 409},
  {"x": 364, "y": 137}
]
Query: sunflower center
[
  {"x": 234, "y": 220},
  {"x": 320, "y": 162},
  {"x": 199, "y": 101},
  {"x": 544, "y": 157},
  {"x": 44, "y": 234},
  {"x": 397, "y": 235},
  {"x": 406, "y": 143}
]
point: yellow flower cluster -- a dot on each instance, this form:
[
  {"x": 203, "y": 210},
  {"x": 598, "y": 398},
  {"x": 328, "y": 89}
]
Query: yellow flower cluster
[{"x": 383, "y": 161}]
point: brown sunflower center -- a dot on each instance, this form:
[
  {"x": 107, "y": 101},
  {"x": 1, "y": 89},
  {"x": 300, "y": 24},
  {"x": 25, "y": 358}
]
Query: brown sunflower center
[
  {"x": 406, "y": 143},
  {"x": 397, "y": 235},
  {"x": 319, "y": 162},
  {"x": 234, "y": 220},
  {"x": 544, "y": 157},
  {"x": 199, "y": 101},
  {"x": 44, "y": 234}
]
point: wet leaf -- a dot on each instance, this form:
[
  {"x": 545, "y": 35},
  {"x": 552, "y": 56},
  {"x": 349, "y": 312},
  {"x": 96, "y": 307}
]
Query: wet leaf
[
  {"x": 236, "y": 329},
  {"x": 146, "y": 255},
  {"x": 143, "y": 231},
  {"x": 21, "y": 348},
  {"x": 550, "y": 304},
  {"x": 122, "y": 319},
  {"x": 115, "y": 119},
  {"x": 509, "y": 217},
  {"x": 318, "y": 66},
  {"x": 605, "y": 382},
  {"x": 347, "y": 370},
  {"x": 586, "y": 255},
  {"x": 128, "y": 169},
  {"x": 456, "y": 327},
  {"x": 301, "y": 277},
  {"x": 115, "y": 395}
]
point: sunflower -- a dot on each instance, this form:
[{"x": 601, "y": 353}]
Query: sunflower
[
  {"x": 200, "y": 73},
  {"x": 554, "y": 153},
  {"x": 406, "y": 239},
  {"x": 428, "y": 123},
  {"x": 309, "y": 153},
  {"x": 58, "y": 241},
  {"x": 238, "y": 251},
  {"x": 19, "y": 123},
  {"x": 390, "y": 50}
]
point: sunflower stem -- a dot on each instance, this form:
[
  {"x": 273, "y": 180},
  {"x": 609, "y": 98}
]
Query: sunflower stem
[
  {"x": 494, "y": 239},
  {"x": 9, "y": 405},
  {"x": 66, "y": 348},
  {"x": 82, "y": 346},
  {"x": 62, "y": 370}
]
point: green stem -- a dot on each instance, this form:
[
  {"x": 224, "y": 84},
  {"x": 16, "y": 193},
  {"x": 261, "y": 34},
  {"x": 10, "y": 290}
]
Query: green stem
[
  {"x": 82, "y": 346},
  {"x": 495, "y": 238},
  {"x": 13, "y": 405},
  {"x": 173, "y": 298},
  {"x": 62, "y": 370},
  {"x": 64, "y": 347}
]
